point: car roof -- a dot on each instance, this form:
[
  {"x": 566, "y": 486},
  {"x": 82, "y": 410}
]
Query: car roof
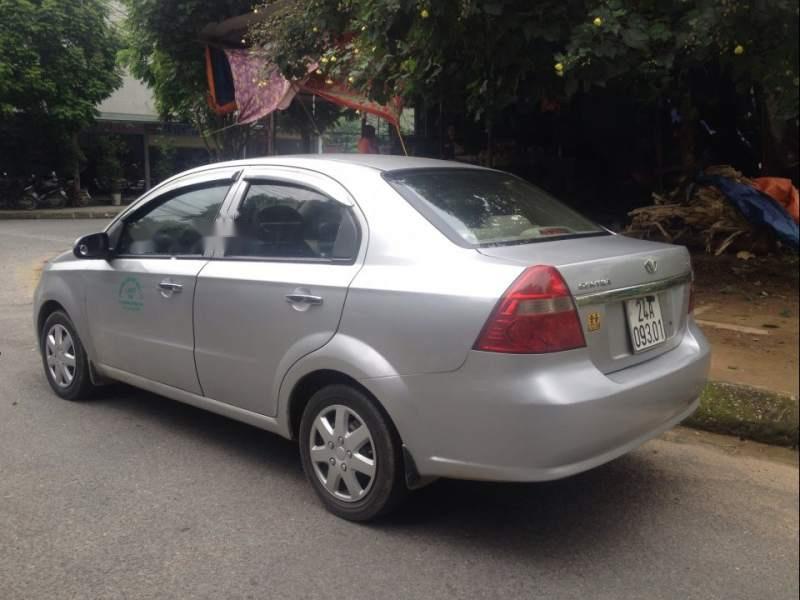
[
  {"x": 385, "y": 162},
  {"x": 329, "y": 163}
]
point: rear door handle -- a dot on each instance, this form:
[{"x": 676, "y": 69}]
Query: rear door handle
[{"x": 310, "y": 299}]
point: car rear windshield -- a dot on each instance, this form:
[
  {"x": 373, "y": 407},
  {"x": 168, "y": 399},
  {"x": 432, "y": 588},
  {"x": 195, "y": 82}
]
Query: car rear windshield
[{"x": 477, "y": 208}]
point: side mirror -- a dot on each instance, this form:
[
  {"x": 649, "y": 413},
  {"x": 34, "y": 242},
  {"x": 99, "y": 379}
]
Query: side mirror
[{"x": 94, "y": 245}]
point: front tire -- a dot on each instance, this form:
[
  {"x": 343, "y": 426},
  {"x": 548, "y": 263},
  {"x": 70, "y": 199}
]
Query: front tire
[
  {"x": 65, "y": 362},
  {"x": 351, "y": 454}
]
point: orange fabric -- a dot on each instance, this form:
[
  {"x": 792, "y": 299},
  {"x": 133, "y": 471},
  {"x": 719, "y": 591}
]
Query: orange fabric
[
  {"x": 220, "y": 109},
  {"x": 783, "y": 192},
  {"x": 341, "y": 94}
]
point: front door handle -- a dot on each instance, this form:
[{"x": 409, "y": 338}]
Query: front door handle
[
  {"x": 168, "y": 288},
  {"x": 310, "y": 299}
]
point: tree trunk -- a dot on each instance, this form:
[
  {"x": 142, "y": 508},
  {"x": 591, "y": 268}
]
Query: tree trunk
[
  {"x": 659, "y": 143},
  {"x": 75, "y": 194},
  {"x": 686, "y": 135},
  {"x": 489, "y": 139},
  {"x": 773, "y": 149}
]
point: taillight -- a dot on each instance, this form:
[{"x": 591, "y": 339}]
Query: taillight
[{"x": 535, "y": 315}]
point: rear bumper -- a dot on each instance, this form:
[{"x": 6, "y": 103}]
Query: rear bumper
[{"x": 535, "y": 418}]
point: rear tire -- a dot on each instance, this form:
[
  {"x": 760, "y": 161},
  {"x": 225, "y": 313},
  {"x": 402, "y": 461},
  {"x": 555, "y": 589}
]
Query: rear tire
[
  {"x": 65, "y": 362},
  {"x": 351, "y": 454}
]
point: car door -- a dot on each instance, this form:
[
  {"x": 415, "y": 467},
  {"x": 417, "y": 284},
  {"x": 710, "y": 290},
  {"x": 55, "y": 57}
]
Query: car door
[
  {"x": 276, "y": 290},
  {"x": 140, "y": 302}
]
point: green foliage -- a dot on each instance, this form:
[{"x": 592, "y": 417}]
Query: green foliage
[
  {"x": 483, "y": 52},
  {"x": 650, "y": 47},
  {"x": 164, "y": 160},
  {"x": 491, "y": 52},
  {"x": 163, "y": 48},
  {"x": 108, "y": 151},
  {"x": 57, "y": 61}
]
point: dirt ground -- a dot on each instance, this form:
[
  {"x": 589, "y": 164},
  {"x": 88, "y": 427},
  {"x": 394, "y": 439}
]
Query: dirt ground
[{"x": 748, "y": 309}]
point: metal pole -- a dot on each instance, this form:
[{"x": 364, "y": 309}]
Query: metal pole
[
  {"x": 146, "y": 142},
  {"x": 400, "y": 135},
  {"x": 271, "y": 135}
]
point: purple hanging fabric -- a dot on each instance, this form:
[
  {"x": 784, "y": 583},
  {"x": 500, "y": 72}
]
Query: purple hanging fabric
[{"x": 260, "y": 87}]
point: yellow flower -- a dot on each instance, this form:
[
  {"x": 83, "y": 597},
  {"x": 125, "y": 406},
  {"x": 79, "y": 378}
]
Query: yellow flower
[
  {"x": 333, "y": 59},
  {"x": 559, "y": 67},
  {"x": 739, "y": 50},
  {"x": 424, "y": 13},
  {"x": 350, "y": 79},
  {"x": 597, "y": 21},
  {"x": 329, "y": 81},
  {"x": 314, "y": 29},
  {"x": 323, "y": 60}
]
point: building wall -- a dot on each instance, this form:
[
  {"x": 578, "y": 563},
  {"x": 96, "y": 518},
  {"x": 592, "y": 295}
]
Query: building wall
[{"x": 133, "y": 101}]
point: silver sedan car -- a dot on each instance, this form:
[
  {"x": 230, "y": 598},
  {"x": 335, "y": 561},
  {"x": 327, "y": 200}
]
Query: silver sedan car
[{"x": 404, "y": 319}]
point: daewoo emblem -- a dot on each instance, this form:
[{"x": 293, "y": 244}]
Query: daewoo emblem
[{"x": 650, "y": 265}]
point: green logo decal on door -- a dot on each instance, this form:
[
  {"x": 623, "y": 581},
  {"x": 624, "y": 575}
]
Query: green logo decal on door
[{"x": 130, "y": 294}]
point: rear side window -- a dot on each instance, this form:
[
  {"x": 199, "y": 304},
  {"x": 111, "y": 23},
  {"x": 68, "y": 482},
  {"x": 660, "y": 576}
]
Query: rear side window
[
  {"x": 283, "y": 221},
  {"x": 477, "y": 208}
]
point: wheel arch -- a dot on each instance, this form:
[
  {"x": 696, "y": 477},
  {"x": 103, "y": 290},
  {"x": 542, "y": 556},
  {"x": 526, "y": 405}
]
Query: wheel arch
[
  {"x": 47, "y": 309},
  {"x": 311, "y": 383}
]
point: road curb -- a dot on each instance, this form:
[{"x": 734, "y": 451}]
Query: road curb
[
  {"x": 98, "y": 213},
  {"x": 747, "y": 412}
]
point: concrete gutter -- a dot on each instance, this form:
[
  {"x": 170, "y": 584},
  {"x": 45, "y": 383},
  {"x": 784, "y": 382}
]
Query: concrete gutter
[
  {"x": 84, "y": 212},
  {"x": 748, "y": 413}
]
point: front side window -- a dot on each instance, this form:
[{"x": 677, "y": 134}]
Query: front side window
[
  {"x": 176, "y": 226},
  {"x": 477, "y": 208},
  {"x": 284, "y": 221}
]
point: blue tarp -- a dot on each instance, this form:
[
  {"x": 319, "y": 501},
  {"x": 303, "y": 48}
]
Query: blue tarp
[{"x": 758, "y": 208}]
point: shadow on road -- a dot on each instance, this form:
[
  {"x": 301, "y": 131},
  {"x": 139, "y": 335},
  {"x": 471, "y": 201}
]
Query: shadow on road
[
  {"x": 597, "y": 509},
  {"x": 262, "y": 449}
]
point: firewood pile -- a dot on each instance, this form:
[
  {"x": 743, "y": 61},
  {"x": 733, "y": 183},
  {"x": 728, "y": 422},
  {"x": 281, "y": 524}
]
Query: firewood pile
[{"x": 698, "y": 216}]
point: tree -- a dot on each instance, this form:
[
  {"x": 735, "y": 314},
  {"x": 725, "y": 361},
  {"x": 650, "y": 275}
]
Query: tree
[
  {"x": 57, "y": 62},
  {"x": 481, "y": 53},
  {"x": 490, "y": 53},
  {"x": 164, "y": 49},
  {"x": 655, "y": 49}
]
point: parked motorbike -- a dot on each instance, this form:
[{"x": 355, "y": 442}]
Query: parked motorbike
[
  {"x": 43, "y": 193},
  {"x": 13, "y": 192}
]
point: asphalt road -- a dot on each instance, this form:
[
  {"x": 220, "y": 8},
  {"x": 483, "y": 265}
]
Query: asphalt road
[{"x": 135, "y": 496}]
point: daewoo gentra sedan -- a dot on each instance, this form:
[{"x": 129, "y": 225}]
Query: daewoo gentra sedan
[{"x": 404, "y": 319}]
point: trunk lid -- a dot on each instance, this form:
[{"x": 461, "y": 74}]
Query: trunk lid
[{"x": 602, "y": 274}]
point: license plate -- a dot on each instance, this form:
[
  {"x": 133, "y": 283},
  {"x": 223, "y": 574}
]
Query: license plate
[{"x": 644, "y": 323}]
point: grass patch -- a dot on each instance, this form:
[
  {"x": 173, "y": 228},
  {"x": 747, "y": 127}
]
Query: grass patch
[{"x": 747, "y": 412}]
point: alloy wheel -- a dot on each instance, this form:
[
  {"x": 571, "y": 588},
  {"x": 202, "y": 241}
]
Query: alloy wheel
[
  {"x": 60, "y": 355},
  {"x": 342, "y": 453}
]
